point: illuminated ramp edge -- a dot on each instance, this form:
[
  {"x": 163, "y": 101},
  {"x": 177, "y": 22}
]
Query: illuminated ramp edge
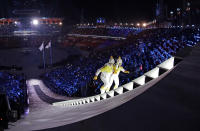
[{"x": 131, "y": 86}]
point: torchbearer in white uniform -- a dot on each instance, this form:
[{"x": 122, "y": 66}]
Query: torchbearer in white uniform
[
  {"x": 106, "y": 72},
  {"x": 117, "y": 69}
]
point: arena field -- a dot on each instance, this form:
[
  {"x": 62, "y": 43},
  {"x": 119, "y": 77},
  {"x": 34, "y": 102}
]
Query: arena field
[{"x": 77, "y": 65}]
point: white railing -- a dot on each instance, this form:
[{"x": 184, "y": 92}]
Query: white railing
[{"x": 142, "y": 80}]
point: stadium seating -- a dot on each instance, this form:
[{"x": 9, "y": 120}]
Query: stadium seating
[
  {"x": 111, "y": 31},
  {"x": 14, "y": 87},
  {"x": 140, "y": 54}
]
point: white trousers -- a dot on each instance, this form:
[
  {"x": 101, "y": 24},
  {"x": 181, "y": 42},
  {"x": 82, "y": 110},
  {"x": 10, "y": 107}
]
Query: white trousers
[
  {"x": 106, "y": 83},
  {"x": 115, "y": 78}
]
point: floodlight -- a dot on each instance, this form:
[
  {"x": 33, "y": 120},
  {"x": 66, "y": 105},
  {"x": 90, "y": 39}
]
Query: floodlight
[
  {"x": 144, "y": 24},
  {"x": 35, "y": 22},
  {"x": 60, "y": 23}
]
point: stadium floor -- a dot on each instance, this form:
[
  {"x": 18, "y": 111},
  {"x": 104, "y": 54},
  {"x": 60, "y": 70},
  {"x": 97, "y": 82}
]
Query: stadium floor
[
  {"x": 170, "y": 105},
  {"x": 29, "y": 59}
]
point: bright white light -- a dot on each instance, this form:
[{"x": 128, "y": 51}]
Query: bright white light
[
  {"x": 60, "y": 23},
  {"x": 35, "y": 22},
  {"x": 144, "y": 25},
  {"x": 178, "y": 9},
  {"x": 15, "y": 22},
  {"x": 138, "y": 24}
]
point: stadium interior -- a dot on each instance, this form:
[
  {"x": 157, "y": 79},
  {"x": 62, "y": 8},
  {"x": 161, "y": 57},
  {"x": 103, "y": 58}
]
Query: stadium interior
[{"x": 51, "y": 51}]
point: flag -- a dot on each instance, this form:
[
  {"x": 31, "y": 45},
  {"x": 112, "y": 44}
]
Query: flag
[
  {"x": 48, "y": 45},
  {"x": 41, "y": 48}
]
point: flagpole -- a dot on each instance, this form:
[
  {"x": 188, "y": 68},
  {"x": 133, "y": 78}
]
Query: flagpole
[
  {"x": 51, "y": 55},
  {"x": 44, "y": 58}
]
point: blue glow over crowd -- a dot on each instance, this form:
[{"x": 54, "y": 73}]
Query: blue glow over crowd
[
  {"x": 140, "y": 53},
  {"x": 14, "y": 86}
]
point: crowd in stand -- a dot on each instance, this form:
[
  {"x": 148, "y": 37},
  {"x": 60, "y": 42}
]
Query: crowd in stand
[
  {"x": 6, "y": 29},
  {"x": 140, "y": 53},
  {"x": 111, "y": 31},
  {"x": 122, "y": 31},
  {"x": 26, "y": 29},
  {"x": 14, "y": 86},
  {"x": 88, "y": 44}
]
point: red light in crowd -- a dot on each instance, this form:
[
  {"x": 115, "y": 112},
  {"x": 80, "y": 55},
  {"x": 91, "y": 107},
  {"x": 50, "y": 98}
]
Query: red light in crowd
[{"x": 141, "y": 67}]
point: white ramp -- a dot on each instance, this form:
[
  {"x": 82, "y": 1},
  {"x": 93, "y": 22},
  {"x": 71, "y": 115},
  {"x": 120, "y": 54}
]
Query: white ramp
[
  {"x": 154, "y": 73},
  {"x": 140, "y": 80},
  {"x": 119, "y": 90},
  {"x": 103, "y": 95},
  {"x": 168, "y": 64},
  {"x": 62, "y": 113},
  {"x": 111, "y": 93},
  {"x": 129, "y": 86},
  {"x": 97, "y": 97}
]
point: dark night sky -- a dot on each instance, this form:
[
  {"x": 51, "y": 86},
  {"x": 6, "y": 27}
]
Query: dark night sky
[
  {"x": 144, "y": 9},
  {"x": 110, "y": 9}
]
